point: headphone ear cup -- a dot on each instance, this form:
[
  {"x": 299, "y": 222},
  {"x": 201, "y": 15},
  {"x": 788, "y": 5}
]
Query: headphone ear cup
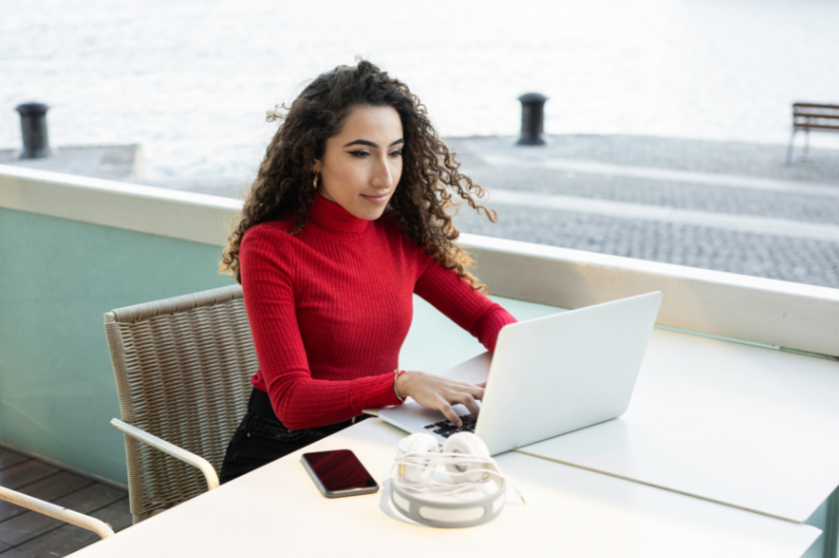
[
  {"x": 467, "y": 444},
  {"x": 419, "y": 443}
]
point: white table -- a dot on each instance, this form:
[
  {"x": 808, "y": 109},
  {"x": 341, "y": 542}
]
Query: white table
[
  {"x": 748, "y": 426},
  {"x": 278, "y": 511}
]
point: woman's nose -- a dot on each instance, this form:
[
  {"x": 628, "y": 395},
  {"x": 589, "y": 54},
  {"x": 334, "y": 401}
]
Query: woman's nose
[{"x": 382, "y": 175}]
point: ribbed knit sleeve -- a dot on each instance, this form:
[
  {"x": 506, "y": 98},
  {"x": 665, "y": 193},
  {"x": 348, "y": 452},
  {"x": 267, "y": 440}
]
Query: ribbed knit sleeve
[
  {"x": 470, "y": 309},
  {"x": 299, "y": 401}
]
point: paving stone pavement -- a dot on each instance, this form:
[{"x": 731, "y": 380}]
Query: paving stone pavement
[
  {"x": 810, "y": 261},
  {"x": 746, "y": 159},
  {"x": 717, "y": 199},
  {"x": 775, "y": 257}
]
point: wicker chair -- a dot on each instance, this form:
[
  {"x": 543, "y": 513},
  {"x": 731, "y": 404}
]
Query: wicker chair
[{"x": 182, "y": 369}]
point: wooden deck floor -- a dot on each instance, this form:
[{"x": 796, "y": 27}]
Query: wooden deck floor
[{"x": 26, "y": 534}]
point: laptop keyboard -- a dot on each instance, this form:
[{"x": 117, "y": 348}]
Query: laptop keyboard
[{"x": 445, "y": 428}]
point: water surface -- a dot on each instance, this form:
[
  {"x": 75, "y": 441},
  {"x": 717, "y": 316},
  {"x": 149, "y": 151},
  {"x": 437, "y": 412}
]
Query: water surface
[{"x": 192, "y": 80}]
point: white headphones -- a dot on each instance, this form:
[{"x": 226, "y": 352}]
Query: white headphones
[{"x": 466, "y": 501}]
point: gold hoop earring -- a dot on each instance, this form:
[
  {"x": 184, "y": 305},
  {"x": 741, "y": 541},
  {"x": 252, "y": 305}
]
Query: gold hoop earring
[{"x": 316, "y": 182}]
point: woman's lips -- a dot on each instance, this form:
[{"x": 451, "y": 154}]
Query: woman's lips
[{"x": 377, "y": 200}]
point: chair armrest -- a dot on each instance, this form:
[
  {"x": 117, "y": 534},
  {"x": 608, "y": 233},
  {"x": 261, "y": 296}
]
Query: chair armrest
[
  {"x": 62, "y": 514},
  {"x": 178, "y": 453}
]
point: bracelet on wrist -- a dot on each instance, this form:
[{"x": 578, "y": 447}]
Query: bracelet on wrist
[{"x": 396, "y": 374}]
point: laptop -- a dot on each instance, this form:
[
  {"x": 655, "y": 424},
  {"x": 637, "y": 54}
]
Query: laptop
[{"x": 549, "y": 376}]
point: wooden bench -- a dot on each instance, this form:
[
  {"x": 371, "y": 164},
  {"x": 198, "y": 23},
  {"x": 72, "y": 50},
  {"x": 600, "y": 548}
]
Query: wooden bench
[{"x": 811, "y": 116}]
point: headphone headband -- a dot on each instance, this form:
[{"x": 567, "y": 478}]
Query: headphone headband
[
  {"x": 448, "y": 514},
  {"x": 465, "y": 502}
]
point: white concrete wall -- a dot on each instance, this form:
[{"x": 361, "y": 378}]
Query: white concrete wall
[{"x": 789, "y": 315}]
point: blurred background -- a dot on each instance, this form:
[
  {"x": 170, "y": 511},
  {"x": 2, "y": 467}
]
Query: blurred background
[{"x": 696, "y": 86}]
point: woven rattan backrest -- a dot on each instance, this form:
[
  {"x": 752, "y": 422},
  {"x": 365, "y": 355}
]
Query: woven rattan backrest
[{"x": 182, "y": 369}]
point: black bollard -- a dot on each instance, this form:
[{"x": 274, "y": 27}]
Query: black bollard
[
  {"x": 532, "y": 119},
  {"x": 33, "y": 128}
]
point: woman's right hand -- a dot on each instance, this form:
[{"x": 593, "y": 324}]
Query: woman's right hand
[{"x": 434, "y": 392}]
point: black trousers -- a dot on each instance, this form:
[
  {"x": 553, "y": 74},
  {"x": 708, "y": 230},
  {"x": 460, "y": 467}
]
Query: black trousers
[{"x": 261, "y": 438}]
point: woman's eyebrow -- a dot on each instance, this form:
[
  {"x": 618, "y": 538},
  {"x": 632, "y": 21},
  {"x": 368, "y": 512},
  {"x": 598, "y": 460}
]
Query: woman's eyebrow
[{"x": 371, "y": 144}]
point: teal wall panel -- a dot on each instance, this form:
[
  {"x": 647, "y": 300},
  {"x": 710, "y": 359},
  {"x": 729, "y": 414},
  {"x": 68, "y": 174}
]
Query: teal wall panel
[{"x": 57, "y": 279}]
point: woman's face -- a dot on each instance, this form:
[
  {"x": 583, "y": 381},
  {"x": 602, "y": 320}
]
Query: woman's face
[{"x": 363, "y": 163}]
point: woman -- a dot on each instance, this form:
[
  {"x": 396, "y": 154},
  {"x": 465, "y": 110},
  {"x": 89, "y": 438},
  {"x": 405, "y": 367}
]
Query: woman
[{"x": 345, "y": 222}]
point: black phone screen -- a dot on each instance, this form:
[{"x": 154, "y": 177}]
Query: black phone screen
[{"x": 339, "y": 472}]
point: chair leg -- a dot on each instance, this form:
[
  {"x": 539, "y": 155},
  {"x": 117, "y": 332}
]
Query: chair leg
[
  {"x": 789, "y": 149},
  {"x": 806, "y": 144}
]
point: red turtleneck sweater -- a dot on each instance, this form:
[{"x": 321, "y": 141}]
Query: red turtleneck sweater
[{"x": 330, "y": 308}]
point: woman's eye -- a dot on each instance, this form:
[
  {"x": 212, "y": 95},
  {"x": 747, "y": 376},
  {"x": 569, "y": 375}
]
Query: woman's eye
[
  {"x": 397, "y": 153},
  {"x": 359, "y": 154}
]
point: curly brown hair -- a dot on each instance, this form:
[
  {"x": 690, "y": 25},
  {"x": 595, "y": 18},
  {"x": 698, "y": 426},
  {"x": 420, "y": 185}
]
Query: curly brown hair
[{"x": 430, "y": 177}]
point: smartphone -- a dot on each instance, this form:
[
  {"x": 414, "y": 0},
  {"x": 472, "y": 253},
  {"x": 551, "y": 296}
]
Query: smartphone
[{"x": 339, "y": 473}]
